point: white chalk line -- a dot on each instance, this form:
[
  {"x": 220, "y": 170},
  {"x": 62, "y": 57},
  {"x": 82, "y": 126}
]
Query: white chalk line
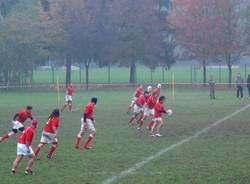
[{"x": 173, "y": 146}]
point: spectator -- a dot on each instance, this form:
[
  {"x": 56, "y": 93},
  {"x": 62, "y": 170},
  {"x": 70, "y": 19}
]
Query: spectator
[
  {"x": 211, "y": 83},
  {"x": 248, "y": 84},
  {"x": 239, "y": 86}
]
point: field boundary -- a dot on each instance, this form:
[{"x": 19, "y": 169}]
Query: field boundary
[{"x": 139, "y": 165}]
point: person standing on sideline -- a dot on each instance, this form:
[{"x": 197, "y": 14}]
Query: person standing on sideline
[
  {"x": 248, "y": 84},
  {"x": 211, "y": 84},
  {"x": 239, "y": 86}
]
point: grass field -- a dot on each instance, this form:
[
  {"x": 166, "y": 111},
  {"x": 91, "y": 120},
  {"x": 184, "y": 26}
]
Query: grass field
[
  {"x": 121, "y": 75},
  {"x": 221, "y": 156}
]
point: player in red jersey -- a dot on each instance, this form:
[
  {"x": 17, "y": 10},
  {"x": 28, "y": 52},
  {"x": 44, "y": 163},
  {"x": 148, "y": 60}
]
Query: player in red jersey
[
  {"x": 24, "y": 148},
  {"x": 18, "y": 121},
  {"x": 136, "y": 95},
  {"x": 68, "y": 98},
  {"x": 148, "y": 110},
  {"x": 138, "y": 109},
  {"x": 158, "y": 122},
  {"x": 49, "y": 134},
  {"x": 88, "y": 122}
]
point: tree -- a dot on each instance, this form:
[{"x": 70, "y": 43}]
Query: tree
[
  {"x": 138, "y": 30},
  {"x": 194, "y": 23}
]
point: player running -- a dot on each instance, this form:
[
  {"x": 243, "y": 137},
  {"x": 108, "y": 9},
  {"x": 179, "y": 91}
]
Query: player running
[
  {"x": 158, "y": 122},
  {"x": 149, "y": 110},
  {"x": 136, "y": 95},
  {"x": 49, "y": 134},
  {"x": 68, "y": 98},
  {"x": 18, "y": 122},
  {"x": 24, "y": 148},
  {"x": 87, "y": 122},
  {"x": 138, "y": 109}
]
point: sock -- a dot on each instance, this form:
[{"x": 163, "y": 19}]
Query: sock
[
  {"x": 87, "y": 141},
  {"x": 70, "y": 108},
  {"x": 131, "y": 120},
  {"x": 77, "y": 142},
  {"x": 140, "y": 123},
  {"x": 51, "y": 151},
  {"x": 150, "y": 124},
  {"x": 129, "y": 108},
  {"x": 5, "y": 136},
  {"x": 37, "y": 151}
]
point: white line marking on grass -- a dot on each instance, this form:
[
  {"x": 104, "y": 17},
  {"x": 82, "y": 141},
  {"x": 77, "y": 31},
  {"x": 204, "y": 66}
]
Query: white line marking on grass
[{"x": 139, "y": 165}]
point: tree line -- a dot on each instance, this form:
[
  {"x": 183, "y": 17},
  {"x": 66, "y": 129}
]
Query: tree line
[{"x": 107, "y": 32}]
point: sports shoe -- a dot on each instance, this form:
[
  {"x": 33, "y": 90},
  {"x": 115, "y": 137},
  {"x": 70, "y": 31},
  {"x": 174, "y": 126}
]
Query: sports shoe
[
  {"x": 28, "y": 171},
  {"x": 87, "y": 147},
  {"x": 49, "y": 157},
  {"x": 13, "y": 171},
  {"x": 152, "y": 135},
  {"x": 138, "y": 128},
  {"x": 158, "y": 135}
]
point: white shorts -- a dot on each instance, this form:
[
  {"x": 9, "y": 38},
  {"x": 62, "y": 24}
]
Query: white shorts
[
  {"x": 137, "y": 109},
  {"x": 68, "y": 98},
  {"x": 89, "y": 125},
  {"x": 48, "y": 138},
  {"x": 148, "y": 112},
  {"x": 156, "y": 120},
  {"x": 23, "y": 150},
  {"x": 17, "y": 125}
]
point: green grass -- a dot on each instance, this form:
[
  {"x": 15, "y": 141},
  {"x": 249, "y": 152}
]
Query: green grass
[
  {"x": 220, "y": 156},
  {"x": 121, "y": 75}
]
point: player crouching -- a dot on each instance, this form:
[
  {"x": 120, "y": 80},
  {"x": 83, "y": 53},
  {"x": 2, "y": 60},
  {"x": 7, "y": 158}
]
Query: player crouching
[
  {"x": 87, "y": 122},
  {"x": 49, "y": 134},
  {"x": 24, "y": 148},
  {"x": 18, "y": 122},
  {"x": 158, "y": 122}
]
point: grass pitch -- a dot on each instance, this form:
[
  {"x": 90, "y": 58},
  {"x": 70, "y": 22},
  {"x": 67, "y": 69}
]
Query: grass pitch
[{"x": 219, "y": 156}]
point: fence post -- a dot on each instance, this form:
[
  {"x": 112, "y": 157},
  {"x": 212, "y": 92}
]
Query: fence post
[
  {"x": 191, "y": 74},
  {"x": 80, "y": 73},
  {"x": 220, "y": 73},
  {"x": 195, "y": 78}
]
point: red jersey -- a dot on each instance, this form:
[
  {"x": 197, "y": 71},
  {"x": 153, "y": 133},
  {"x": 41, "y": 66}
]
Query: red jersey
[
  {"x": 89, "y": 110},
  {"x": 140, "y": 101},
  {"x": 138, "y": 92},
  {"x": 26, "y": 136},
  {"x": 23, "y": 115},
  {"x": 158, "y": 108},
  {"x": 69, "y": 90},
  {"x": 52, "y": 122},
  {"x": 151, "y": 102}
]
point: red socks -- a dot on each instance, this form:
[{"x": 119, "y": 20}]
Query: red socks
[
  {"x": 51, "y": 151},
  {"x": 77, "y": 142},
  {"x": 37, "y": 151},
  {"x": 87, "y": 141},
  {"x": 150, "y": 124}
]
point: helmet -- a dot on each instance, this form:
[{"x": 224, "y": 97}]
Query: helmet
[{"x": 158, "y": 85}]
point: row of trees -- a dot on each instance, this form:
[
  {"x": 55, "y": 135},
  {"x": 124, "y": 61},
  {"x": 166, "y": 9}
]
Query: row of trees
[
  {"x": 108, "y": 32},
  {"x": 212, "y": 30}
]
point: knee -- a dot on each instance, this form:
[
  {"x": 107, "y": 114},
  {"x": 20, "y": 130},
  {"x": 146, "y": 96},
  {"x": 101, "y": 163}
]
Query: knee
[{"x": 93, "y": 132}]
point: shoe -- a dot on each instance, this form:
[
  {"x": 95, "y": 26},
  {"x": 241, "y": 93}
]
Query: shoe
[
  {"x": 13, "y": 171},
  {"x": 77, "y": 147},
  {"x": 138, "y": 128},
  {"x": 49, "y": 157},
  {"x": 158, "y": 135},
  {"x": 87, "y": 147},
  {"x": 152, "y": 135},
  {"x": 28, "y": 171}
]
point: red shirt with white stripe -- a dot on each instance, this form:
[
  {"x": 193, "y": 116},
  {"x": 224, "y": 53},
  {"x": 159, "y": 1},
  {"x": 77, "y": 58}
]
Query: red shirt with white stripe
[
  {"x": 23, "y": 115},
  {"x": 151, "y": 101},
  {"x": 52, "y": 122},
  {"x": 158, "y": 108},
  {"x": 140, "y": 101},
  {"x": 89, "y": 110},
  {"x": 26, "y": 136}
]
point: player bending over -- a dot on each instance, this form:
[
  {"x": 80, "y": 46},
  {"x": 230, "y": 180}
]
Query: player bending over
[
  {"x": 49, "y": 134},
  {"x": 88, "y": 122},
  {"x": 138, "y": 109},
  {"x": 158, "y": 122},
  {"x": 24, "y": 148},
  {"x": 68, "y": 98},
  {"x": 18, "y": 121},
  {"x": 136, "y": 95}
]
